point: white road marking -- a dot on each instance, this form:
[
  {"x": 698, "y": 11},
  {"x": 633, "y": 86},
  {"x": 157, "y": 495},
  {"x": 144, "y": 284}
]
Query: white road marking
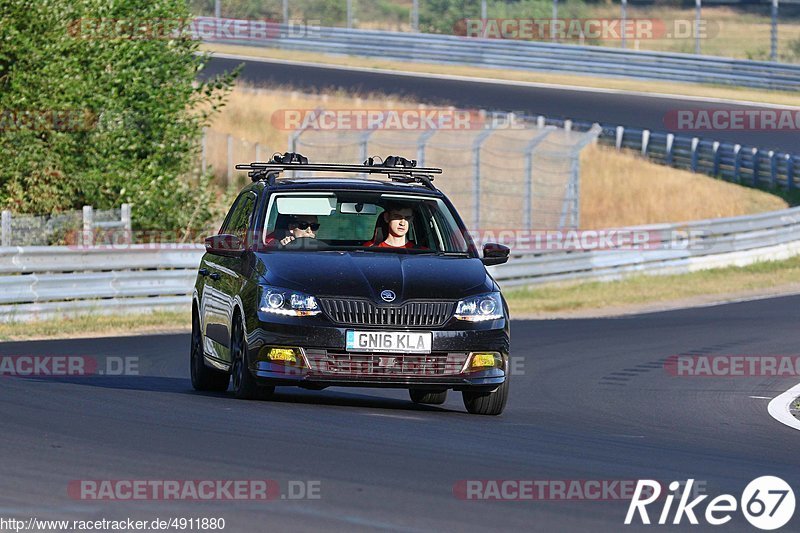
[
  {"x": 779, "y": 407},
  {"x": 760, "y": 397},
  {"x": 515, "y": 83}
]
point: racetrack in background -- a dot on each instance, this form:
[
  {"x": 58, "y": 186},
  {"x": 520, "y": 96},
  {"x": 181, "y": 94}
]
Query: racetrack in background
[{"x": 614, "y": 108}]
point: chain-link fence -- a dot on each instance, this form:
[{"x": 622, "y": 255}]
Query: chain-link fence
[
  {"x": 88, "y": 226},
  {"x": 506, "y": 178},
  {"x": 526, "y": 176}
]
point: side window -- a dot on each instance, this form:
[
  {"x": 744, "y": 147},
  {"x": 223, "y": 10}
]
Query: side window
[{"x": 238, "y": 219}]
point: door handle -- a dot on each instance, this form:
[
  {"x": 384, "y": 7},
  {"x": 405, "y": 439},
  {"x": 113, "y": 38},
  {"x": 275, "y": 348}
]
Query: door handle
[
  {"x": 203, "y": 272},
  {"x": 214, "y": 276}
]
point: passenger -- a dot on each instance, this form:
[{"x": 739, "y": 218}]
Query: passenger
[{"x": 397, "y": 221}]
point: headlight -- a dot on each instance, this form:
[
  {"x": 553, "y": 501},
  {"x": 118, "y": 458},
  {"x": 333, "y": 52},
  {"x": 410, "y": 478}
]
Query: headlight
[
  {"x": 286, "y": 302},
  {"x": 483, "y": 307}
]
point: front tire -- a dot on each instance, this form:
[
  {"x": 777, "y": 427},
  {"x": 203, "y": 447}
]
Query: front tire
[
  {"x": 428, "y": 396},
  {"x": 245, "y": 386},
  {"x": 203, "y": 377},
  {"x": 486, "y": 403}
]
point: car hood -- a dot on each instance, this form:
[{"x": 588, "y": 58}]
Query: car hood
[{"x": 366, "y": 274}]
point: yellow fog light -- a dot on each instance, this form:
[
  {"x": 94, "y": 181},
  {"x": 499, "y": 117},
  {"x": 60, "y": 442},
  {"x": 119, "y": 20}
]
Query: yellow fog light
[
  {"x": 485, "y": 359},
  {"x": 283, "y": 355}
]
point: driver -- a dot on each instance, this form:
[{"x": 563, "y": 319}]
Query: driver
[{"x": 301, "y": 226}]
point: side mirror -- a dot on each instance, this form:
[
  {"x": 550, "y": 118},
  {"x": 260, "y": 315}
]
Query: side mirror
[
  {"x": 225, "y": 244},
  {"x": 495, "y": 254}
]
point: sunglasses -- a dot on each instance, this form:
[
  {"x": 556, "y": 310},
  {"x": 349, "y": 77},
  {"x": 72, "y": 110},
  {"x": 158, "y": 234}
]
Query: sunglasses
[{"x": 305, "y": 225}]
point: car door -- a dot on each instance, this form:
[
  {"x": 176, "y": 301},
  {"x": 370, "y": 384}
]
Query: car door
[{"x": 224, "y": 281}]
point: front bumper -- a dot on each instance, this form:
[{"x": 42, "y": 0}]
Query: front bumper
[{"x": 325, "y": 362}]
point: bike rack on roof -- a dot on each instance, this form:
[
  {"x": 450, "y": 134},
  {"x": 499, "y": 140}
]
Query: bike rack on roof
[{"x": 398, "y": 168}]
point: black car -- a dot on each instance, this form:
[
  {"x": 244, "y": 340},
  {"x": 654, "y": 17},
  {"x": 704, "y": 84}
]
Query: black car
[{"x": 349, "y": 281}]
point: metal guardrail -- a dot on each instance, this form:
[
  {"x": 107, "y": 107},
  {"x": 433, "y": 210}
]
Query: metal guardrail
[
  {"x": 742, "y": 164},
  {"x": 517, "y": 54},
  {"x": 46, "y": 281},
  {"x": 714, "y": 243}
]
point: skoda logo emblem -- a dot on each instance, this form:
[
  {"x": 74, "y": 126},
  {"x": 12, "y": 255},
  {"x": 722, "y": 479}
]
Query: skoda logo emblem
[{"x": 387, "y": 296}]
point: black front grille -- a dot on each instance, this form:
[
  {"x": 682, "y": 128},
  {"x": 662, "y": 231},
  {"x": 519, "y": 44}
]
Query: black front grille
[
  {"x": 365, "y": 313},
  {"x": 385, "y": 364}
]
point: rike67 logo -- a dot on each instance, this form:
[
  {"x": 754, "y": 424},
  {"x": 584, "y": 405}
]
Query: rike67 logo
[{"x": 767, "y": 503}]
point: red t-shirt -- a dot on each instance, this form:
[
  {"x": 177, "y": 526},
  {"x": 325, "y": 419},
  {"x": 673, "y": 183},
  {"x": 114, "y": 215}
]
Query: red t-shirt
[{"x": 409, "y": 244}]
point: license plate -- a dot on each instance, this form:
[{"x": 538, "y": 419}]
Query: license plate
[{"x": 389, "y": 341}]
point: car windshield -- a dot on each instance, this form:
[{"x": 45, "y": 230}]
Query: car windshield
[{"x": 346, "y": 220}]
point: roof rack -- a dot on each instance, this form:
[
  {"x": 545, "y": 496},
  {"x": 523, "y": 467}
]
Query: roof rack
[{"x": 397, "y": 168}]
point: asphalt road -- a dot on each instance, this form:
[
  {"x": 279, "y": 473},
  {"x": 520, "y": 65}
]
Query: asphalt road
[
  {"x": 609, "y": 108},
  {"x": 590, "y": 400}
]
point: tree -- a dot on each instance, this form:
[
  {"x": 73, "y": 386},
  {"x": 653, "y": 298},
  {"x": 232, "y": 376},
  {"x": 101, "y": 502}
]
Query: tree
[{"x": 100, "y": 104}]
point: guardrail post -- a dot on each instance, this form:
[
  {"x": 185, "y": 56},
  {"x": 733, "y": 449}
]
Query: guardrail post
[
  {"x": 645, "y": 141},
  {"x": 5, "y": 239},
  {"x": 773, "y": 170},
  {"x": 773, "y": 40},
  {"x": 756, "y": 166},
  {"x": 789, "y": 172},
  {"x": 529, "y": 149},
  {"x": 624, "y": 17},
  {"x": 422, "y": 143},
  {"x": 88, "y": 223},
  {"x": 229, "y": 174},
  {"x": 364, "y": 144},
  {"x": 668, "y": 151},
  {"x": 127, "y": 223},
  {"x": 695, "y": 144},
  {"x": 697, "y": 22},
  {"x": 737, "y": 161},
  {"x": 715, "y": 167},
  {"x": 476, "y": 177},
  {"x": 620, "y": 133}
]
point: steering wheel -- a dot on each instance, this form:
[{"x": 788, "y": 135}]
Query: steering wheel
[{"x": 304, "y": 243}]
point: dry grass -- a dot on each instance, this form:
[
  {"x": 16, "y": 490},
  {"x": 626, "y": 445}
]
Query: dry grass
[
  {"x": 623, "y": 189},
  {"x": 617, "y": 189},
  {"x": 255, "y": 114},
  {"x": 98, "y": 326},
  {"x": 730, "y": 32},
  {"x": 593, "y": 81}
]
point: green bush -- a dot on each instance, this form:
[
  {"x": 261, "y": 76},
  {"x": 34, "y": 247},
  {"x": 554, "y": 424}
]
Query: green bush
[{"x": 135, "y": 110}]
